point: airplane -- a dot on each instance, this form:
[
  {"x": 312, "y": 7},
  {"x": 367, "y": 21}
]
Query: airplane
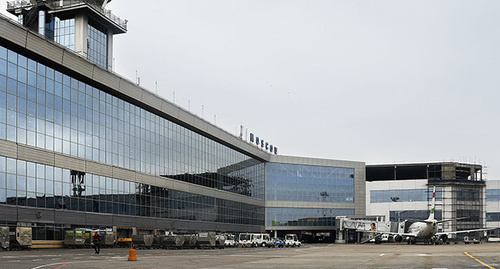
[{"x": 427, "y": 229}]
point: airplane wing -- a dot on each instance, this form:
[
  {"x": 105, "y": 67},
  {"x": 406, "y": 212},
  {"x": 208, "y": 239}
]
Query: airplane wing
[
  {"x": 370, "y": 238},
  {"x": 402, "y": 234},
  {"x": 446, "y": 220},
  {"x": 466, "y": 231},
  {"x": 378, "y": 234}
]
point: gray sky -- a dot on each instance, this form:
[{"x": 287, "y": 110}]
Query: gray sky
[{"x": 373, "y": 81}]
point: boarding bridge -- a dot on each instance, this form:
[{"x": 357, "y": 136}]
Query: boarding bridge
[{"x": 353, "y": 230}]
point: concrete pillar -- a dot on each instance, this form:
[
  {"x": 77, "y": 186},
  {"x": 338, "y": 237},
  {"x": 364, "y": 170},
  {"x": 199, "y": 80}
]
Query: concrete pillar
[
  {"x": 41, "y": 22},
  {"x": 340, "y": 238},
  {"x": 81, "y": 34},
  {"x": 110, "y": 50}
]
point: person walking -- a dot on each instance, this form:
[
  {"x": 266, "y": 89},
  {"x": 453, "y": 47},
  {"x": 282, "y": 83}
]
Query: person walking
[{"x": 96, "y": 240}]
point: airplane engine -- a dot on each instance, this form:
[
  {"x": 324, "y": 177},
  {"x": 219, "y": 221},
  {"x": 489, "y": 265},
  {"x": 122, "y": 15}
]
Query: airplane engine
[{"x": 398, "y": 238}]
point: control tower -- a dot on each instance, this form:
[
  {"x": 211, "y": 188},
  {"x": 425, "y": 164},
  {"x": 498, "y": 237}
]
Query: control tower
[{"x": 84, "y": 26}]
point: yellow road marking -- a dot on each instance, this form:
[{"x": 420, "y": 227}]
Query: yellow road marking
[{"x": 479, "y": 261}]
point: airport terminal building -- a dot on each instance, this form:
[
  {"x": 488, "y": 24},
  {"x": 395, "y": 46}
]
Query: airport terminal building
[
  {"x": 84, "y": 147},
  {"x": 404, "y": 191},
  {"x": 493, "y": 204}
]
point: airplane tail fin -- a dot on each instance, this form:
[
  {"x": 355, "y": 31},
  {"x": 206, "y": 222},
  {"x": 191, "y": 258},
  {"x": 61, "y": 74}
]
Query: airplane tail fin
[{"x": 433, "y": 205}]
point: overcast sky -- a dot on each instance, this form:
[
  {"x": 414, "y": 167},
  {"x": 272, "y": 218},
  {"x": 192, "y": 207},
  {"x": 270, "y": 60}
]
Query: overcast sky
[{"x": 371, "y": 81}]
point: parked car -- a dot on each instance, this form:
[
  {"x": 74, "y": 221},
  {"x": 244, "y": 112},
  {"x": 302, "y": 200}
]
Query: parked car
[{"x": 277, "y": 243}]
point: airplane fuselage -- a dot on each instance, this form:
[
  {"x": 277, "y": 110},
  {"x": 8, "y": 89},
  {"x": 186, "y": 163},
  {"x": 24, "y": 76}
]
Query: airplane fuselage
[{"x": 423, "y": 230}]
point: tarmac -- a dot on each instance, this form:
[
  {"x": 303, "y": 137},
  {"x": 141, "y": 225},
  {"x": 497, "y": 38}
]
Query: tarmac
[{"x": 486, "y": 255}]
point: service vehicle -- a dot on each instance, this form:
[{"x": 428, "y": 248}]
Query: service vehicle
[
  {"x": 230, "y": 241},
  {"x": 245, "y": 240},
  {"x": 261, "y": 240},
  {"x": 493, "y": 239},
  {"x": 471, "y": 240},
  {"x": 291, "y": 240}
]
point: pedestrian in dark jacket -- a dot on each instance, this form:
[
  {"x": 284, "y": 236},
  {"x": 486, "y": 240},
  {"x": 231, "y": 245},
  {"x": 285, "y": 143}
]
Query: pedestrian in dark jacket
[{"x": 96, "y": 241}]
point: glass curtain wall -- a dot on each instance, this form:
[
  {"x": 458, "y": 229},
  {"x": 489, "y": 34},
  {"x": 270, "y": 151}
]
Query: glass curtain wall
[
  {"x": 413, "y": 195},
  {"x": 97, "y": 44},
  {"x": 44, "y": 108},
  {"x": 308, "y": 183},
  {"x": 65, "y": 32},
  {"x": 44, "y": 186}
]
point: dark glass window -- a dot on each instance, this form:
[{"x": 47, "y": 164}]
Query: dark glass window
[
  {"x": 304, "y": 216},
  {"x": 493, "y": 216}
]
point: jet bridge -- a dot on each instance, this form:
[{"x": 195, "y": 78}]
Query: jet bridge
[{"x": 356, "y": 230}]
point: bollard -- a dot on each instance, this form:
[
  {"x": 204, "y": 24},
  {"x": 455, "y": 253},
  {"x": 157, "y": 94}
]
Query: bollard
[{"x": 131, "y": 255}]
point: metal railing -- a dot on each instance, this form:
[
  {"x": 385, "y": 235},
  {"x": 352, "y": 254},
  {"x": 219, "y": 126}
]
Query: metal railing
[
  {"x": 58, "y": 4},
  {"x": 18, "y": 4}
]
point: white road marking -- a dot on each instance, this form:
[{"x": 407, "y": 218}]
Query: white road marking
[{"x": 45, "y": 265}]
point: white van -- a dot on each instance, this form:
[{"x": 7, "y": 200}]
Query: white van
[{"x": 261, "y": 240}]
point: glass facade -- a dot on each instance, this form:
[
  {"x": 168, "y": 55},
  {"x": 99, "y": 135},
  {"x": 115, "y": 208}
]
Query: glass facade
[
  {"x": 65, "y": 32},
  {"x": 492, "y": 195},
  {"x": 493, "y": 216},
  {"x": 44, "y": 108},
  {"x": 97, "y": 44},
  {"x": 42, "y": 231},
  {"x": 308, "y": 183},
  {"x": 304, "y": 216},
  {"x": 468, "y": 194},
  {"x": 414, "y": 195},
  {"x": 398, "y": 216},
  {"x": 46, "y": 24},
  {"x": 471, "y": 215},
  {"x": 37, "y": 185},
  {"x": 47, "y": 109}
]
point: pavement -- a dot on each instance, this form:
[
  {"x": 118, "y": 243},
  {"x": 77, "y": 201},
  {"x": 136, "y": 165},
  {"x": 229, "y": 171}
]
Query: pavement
[{"x": 484, "y": 255}]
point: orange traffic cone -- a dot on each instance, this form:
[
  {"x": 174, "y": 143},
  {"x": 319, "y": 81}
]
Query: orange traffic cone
[{"x": 131, "y": 255}]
